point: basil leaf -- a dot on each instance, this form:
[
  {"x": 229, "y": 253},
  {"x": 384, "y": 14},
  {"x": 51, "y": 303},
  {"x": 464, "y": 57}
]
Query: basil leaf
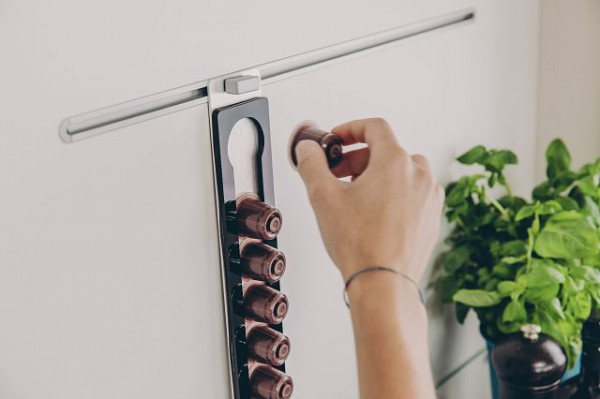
[
  {"x": 567, "y": 204},
  {"x": 594, "y": 291},
  {"x": 593, "y": 261},
  {"x": 514, "y": 311},
  {"x": 484, "y": 274},
  {"x": 491, "y": 284},
  {"x": 586, "y": 273},
  {"x": 506, "y": 288},
  {"x": 549, "y": 207},
  {"x": 592, "y": 168},
  {"x": 580, "y": 305},
  {"x": 511, "y": 260},
  {"x": 513, "y": 248},
  {"x": 525, "y": 212},
  {"x": 502, "y": 270},
  {"x": 543, "y": 192},
  {"x": 573, "y": 353},
  {"x": 448, "y": 286},
  {"x": 541, "y": 294},
  {"x": 472, "y": 156},
  {"x": 592, "y": 208},
  {"x": 457, "y": 192},
  {"x": 513, "y": 317},
  {"x": 550, "y": 327},
  {"x": 496, "y": 160},
  {"x": 558, "y": 158},
  {"x": 461, "y": 312},
  {"x": 588, "y": 186},
  {"x": 477, "y": 298},
  {"x": 574, "y": 284},
  {"x": 567, "y": 235},
  {"x": 564, "y": 181},
  {"x": 512, "y": 202},
  {"x": 456, "y": 258},
  {"x": 544, "y": 272},
  {"x": 554, "y": 307}
]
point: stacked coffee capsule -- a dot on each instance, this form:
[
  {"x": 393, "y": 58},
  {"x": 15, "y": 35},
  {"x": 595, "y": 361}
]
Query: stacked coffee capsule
[{"x": 263, "y": 306}]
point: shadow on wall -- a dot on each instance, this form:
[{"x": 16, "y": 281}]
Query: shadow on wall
[{"x": 468, "y": 376}]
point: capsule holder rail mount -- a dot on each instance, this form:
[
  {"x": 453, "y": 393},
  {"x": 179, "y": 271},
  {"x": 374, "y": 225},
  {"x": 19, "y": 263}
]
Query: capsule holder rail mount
[{"x": 223, "y": 121}]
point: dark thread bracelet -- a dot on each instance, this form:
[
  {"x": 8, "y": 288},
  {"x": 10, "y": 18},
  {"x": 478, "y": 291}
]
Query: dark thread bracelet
[{"x": 381, "y": 268}]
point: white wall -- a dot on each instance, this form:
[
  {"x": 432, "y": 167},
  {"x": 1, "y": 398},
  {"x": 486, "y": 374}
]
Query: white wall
[
  {"x": 108, "y": 278},
  {"x": 569, "y": 79}
]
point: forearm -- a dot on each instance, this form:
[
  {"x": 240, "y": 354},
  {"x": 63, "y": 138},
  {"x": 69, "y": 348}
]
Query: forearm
[
  {"x": 397, "y": 203},
  {"x": 390, "y": 328}
]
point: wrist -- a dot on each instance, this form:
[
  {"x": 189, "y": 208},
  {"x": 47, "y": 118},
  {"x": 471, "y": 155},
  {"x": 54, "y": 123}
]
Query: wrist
[
  {"x": 383, "y": 287},
  {"x": 348, "y": 268}
]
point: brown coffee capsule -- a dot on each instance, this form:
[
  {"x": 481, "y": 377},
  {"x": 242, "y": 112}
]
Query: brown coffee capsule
[
  {"x": 308, "y": 130},
  {"x": 270, "y": 383},
  {"x": 263, "y": 303},
  {"x": 267, "y": 345},
  {"x": 256, "y": 219},
  {"x": 262, "y": 262}
]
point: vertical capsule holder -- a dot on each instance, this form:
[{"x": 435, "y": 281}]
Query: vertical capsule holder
[{"x": 223, "y": 120}]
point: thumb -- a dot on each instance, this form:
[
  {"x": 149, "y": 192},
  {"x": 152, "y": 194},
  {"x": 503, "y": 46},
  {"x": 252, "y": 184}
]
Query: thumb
[{"x": 313, "y": 166}]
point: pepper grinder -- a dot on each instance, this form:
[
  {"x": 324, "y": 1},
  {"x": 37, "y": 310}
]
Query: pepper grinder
[{"x": 529, "y": 365}]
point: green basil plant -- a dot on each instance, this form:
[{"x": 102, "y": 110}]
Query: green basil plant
[{"x": 515, "y": 261}]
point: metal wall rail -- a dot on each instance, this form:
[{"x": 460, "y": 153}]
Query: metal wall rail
[{"x": 93, "y": 123}]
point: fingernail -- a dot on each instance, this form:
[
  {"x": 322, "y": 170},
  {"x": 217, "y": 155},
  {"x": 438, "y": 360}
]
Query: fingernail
[{"x": 302, "y": 150}]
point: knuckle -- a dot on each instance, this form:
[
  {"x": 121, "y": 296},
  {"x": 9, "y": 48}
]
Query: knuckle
[
  {"x": 380, "y": 122},
  {"x": 441, "y": 193},
  {"x": 420, "y": 159},
  {"x": 427, "y": 178},
  {"x": 421, "y": 162}
]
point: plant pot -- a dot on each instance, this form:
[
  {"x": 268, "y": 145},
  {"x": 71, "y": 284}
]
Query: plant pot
[{"x": 494, "y": 378}]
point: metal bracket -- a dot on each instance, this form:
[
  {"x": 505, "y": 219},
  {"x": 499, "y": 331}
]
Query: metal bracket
[{"x": 242, "y": 85}]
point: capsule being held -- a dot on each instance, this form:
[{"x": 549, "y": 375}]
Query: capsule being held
[
  {"x": 257, "y": 219},
  {"x": 265, "y": 304},
  {"x": 267, "y": 345},
  {"x": 270, "y": 383},
  {"x": 308, "y": 130}
]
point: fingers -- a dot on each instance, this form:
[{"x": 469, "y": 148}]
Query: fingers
[
  {"x": 375, "y": 132},
  {"x": 313, "y": 167},
  {"x": 353, "y": 163},
  {"x": 383, "y": 149},
  {"x": 421, "y": 161}
]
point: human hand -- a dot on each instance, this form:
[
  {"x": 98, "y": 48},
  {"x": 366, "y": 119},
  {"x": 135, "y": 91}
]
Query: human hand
[{"x": 389, "y": 215}]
